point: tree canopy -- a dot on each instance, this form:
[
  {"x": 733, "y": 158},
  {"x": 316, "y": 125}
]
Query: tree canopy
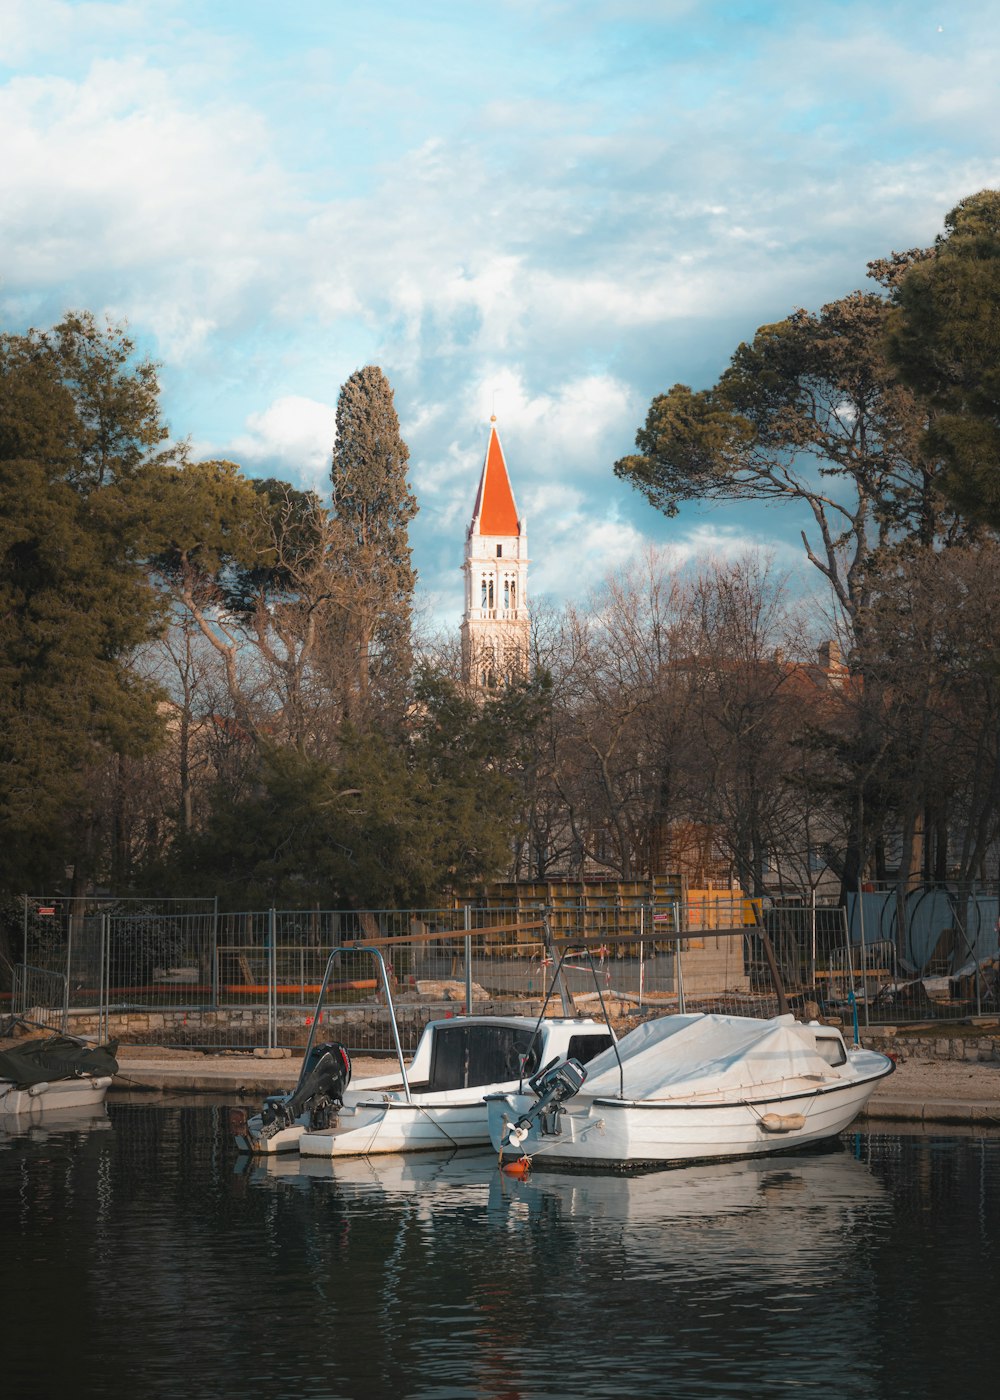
[
  {"x": 385, "y": 825},
  {"x": 79, "y": 428},
  {"x": 808, "y": 412},
  {"x": 373, "y": 501},
  {"x": 944, "y": 338}
]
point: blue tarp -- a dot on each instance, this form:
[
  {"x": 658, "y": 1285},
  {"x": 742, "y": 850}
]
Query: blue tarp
[{"x": 929, "y": 914}]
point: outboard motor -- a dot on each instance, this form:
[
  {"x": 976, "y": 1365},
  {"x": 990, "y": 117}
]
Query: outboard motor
[
  {"x": 553, "y": 1085},
  {"x": 325, "y": 1076}
]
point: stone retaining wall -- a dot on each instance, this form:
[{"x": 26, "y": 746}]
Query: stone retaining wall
[
  {"x": 360, "y": 1027},
  {"x": 367, "y": 1028},
  {"x": 964, "y": 1045}
]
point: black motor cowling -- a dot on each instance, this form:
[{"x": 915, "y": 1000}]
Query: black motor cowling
[
  {"x": 553, "y": 1085},
  {"x": 325, "y": 1075}
]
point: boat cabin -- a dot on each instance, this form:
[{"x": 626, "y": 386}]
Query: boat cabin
[{"x": 465, "y": 1054}]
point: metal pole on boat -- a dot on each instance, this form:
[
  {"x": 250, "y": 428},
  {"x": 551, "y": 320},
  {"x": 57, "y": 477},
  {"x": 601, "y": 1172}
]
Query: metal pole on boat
[
  {"x": 392, "y": 1018},
  {"x": 468, "y": 960},
  {"x": 102, "y": 1005},
  {"x": 850, "y": 971},
  {"x": 564, "y": 996},
  {"x": 678, "y": 969},
  {"x": 642, "y": 950},
  {"x": 69, "y": 973},
  {"x": 272, "y": 991},
  {"x": 864, "y": 968}
]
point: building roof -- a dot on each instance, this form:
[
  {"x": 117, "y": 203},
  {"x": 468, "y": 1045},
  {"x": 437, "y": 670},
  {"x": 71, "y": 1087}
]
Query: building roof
[{"x": 495, "y": 512}]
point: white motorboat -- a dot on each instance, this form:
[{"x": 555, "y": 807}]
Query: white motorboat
[
  {"x": 436, "y": 1101},
  {"x": 53, "y": 1073},
  {"x": 689, "y": 1088},
  {"x": 442, "y": 1103}
]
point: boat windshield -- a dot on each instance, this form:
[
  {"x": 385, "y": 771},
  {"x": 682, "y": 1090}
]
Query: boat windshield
[{"x": 466, "y": 1056}]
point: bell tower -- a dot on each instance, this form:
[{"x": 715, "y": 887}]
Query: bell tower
[{"x": 496, "y": 628}]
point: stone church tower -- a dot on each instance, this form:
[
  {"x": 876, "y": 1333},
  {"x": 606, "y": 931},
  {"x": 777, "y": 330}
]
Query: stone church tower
[{"x": 496, "y": 629}]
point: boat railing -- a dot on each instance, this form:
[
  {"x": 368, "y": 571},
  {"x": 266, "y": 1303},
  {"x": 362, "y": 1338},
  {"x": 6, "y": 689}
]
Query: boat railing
[
  {"x": 570, "y": 949},
  {"x": 317, "y": 1019}
]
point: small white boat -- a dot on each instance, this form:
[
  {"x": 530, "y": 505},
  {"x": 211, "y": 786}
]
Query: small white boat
[
  {"x": 53, "y": 1073},
  {"x": 442, "y": 1101},
  {"x": 436, "y": 1101},
  {"x": 689, "y": 1088}
]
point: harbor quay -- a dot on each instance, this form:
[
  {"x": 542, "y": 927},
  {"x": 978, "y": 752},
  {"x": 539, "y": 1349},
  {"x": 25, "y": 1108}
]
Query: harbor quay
[{"x": 939, "y": 1080}]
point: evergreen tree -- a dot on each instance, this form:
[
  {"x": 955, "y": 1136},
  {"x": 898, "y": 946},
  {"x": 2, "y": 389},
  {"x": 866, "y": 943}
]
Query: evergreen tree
[
  {"x": 373, "y": 501},
  {"x": 78, "y": 425},
  {"x": 810, "y": 413},
  {"x": 945, "y": 340}
]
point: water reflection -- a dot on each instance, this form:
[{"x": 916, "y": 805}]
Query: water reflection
[
  {"x": 81, "y": 1121},
  {"x": 177, "y": 1271},
  {"x": 659, "y": 1265}
]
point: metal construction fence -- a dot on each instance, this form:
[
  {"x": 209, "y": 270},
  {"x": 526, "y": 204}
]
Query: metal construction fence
[
  {"x": 203, "y": 978},
  {"x": 42, "y": 995}
]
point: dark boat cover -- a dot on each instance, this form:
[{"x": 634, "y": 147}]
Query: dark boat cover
[{"x": 56, "y": 1057}]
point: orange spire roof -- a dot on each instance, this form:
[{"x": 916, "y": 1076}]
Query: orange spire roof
[{"x": 495, "y": 512}]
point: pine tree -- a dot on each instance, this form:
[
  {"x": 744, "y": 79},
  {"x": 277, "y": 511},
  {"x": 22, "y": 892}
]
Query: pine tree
[
  {"x": 79, "y": 422},
  {"x": 373, "y": 501}
]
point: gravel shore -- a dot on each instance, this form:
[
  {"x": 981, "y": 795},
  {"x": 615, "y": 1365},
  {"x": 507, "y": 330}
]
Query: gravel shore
[{"x": 956, "y": 1081}]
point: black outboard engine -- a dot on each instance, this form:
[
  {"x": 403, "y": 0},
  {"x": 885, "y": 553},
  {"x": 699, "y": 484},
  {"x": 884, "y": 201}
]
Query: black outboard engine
[
  {"x": 553, "y": 1085},
  {"x": 325, "y": 1075}
]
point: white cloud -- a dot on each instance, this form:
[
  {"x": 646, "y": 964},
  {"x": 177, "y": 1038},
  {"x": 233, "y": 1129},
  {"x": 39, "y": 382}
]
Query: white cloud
[
  {"x": 114, "y": 189},
  {"x": 293, "y": 437},
  {"x": 595, "y": 222},
  {"x": 30, "y": 28}
]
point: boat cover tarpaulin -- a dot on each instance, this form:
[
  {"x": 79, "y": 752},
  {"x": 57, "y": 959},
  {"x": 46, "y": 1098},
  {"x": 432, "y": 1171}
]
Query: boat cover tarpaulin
[
  {"x": 56, "y": 1057},
  {"x": 687, "y": 1057}
]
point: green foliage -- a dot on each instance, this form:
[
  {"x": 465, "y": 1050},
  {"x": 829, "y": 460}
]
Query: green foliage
[
  {"x": 78, "y": 427},
  {"x": 944, "y": 336},
  {"x": 46, "y": 939},
  {"x": 199, "y": 516},
  {"x": 809, "y": 411},
  {"x": 688, "y": 449},
  {"x": 140, "y": 941},
  {"x": 391, "y": 824},
  {"x": 373, "y": 502}
]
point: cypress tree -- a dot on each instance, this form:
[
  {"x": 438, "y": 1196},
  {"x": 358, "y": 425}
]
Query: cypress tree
[{"x": 372, "y": 500}]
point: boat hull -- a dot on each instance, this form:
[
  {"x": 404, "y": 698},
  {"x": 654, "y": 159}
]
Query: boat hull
[
  {"x": 285, "y": 1140},
  {"x": 53, "y": 1095},
  {"x": 370, "y": 1129},
  {"x": 437, "y": 1101},
  {"x": 616, "y": 1133}
]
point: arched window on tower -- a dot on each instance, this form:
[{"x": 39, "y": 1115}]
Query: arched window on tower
[
  {"x": 513, "y": 592},
  {"x": 506, "y": 591},
  {"x": 490, "y": 599},
  {"x": 482, "y": 596},
  {"x": 488, "y": 668}
]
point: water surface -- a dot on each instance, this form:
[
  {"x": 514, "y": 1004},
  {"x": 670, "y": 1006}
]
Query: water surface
[{"x": 142, "y": 1258}]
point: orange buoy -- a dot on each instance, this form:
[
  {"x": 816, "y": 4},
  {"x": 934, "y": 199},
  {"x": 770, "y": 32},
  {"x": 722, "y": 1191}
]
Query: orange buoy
[{"x": 519, "y": 1168}]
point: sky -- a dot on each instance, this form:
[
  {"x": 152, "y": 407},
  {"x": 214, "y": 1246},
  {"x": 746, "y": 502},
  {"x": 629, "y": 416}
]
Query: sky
[{"x": 550, "y": 211}]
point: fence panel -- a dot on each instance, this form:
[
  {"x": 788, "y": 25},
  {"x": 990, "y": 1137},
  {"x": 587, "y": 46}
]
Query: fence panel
[
  {"x": 248, "y": 979},
  {"x": 39, "y": 996},
  {"x": 440, "y": 963},
  {"x": 157, "y": 969}
]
